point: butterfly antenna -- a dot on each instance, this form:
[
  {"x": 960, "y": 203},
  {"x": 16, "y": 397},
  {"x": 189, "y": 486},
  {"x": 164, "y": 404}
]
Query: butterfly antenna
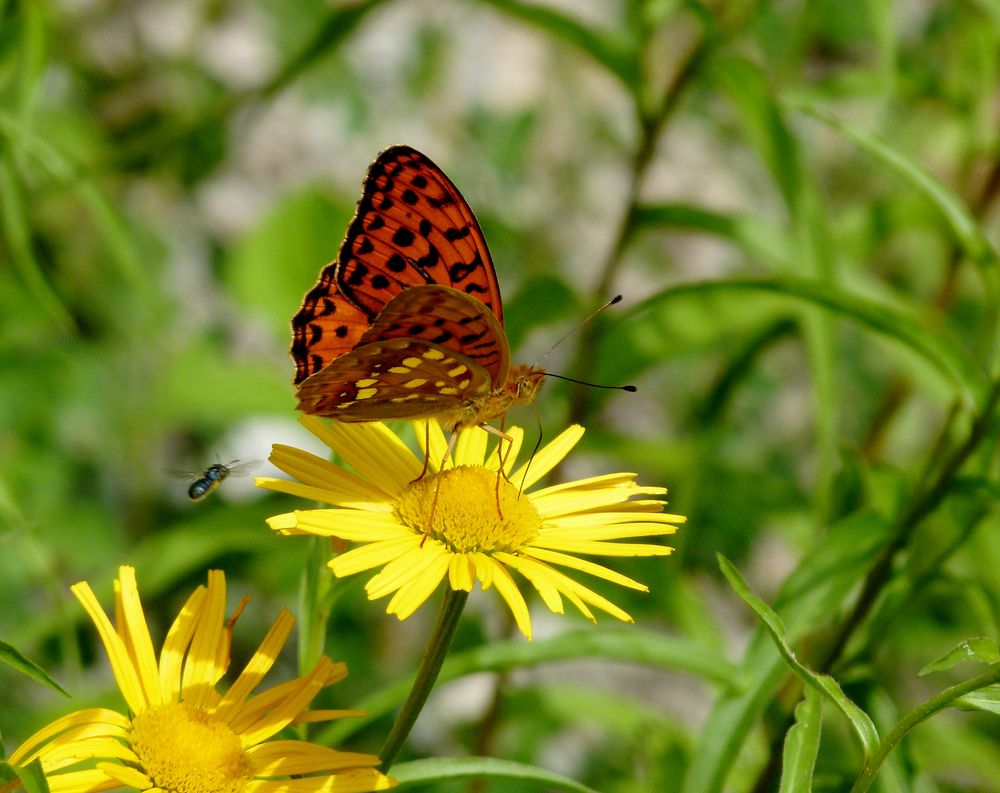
[
  {"x": 611, "y": 302},
  {"x": 630, "y": 388}
]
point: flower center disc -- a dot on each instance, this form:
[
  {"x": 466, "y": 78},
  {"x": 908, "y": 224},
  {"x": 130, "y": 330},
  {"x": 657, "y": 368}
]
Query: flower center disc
[
  {"x": 470, "y": 509},
  {"x": 186, "y": 750}
]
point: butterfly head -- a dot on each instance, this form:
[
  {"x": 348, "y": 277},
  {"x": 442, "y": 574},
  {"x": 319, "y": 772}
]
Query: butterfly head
[{"x": 523, "y": 383}]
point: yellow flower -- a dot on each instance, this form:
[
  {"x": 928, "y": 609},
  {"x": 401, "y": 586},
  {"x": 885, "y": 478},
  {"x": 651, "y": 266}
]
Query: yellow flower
[
  {"x": 182, "y": 735},
  {"x": 465, "y": 521}
]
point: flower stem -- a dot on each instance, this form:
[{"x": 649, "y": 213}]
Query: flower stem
[{"x": 430, "y": 666}]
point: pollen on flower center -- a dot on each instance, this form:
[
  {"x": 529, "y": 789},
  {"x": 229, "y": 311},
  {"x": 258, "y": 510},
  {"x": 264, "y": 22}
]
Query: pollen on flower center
[
  {"x": 470, "y": 508},
  {"x": 186, "y": 750}
]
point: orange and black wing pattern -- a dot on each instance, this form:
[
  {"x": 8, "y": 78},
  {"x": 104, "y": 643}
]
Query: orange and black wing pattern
[{"x": 412, "y": 228}]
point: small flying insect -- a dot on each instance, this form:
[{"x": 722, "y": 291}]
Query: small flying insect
[{"x": 214, "y": 475}]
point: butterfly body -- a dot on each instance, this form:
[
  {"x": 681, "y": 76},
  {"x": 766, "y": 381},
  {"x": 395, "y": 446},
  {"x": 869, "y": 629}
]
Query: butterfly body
[{"x": 408, "y": 321}]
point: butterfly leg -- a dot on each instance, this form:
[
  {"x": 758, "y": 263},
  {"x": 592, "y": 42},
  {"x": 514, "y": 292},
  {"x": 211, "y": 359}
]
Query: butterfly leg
[
  {"x": 447, "y": 454},
  {"x": 502, "y": 456},
  {"x": 427, "y": 452}
]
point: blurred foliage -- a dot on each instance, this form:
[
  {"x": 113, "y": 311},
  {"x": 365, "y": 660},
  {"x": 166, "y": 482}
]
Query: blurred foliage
[{"x": 798, "y": 201}]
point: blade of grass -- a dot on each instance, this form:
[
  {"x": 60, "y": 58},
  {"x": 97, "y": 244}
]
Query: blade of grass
[
  {"x": 17, "y": 231},
  {"x": 441, "y": 769},
  {"x": 614, "y": 55},
  {"x": 823, "y": 684},
  {"x": 632, "y": 646},
  {"x": 10, "y": 656},
  {"x": 935, "y": 347},
  {"x": 802, "y": 745},
  {"x": 964, "y": 226}
]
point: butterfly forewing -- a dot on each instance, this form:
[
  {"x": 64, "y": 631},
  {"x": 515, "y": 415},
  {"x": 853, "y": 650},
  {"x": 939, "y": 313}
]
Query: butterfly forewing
[
  {"x": 449, "y": 319},
  {"x": 412, "y": 228},
  {"x": 394, "y": 378},
  {"x": 325, "y": 327}
]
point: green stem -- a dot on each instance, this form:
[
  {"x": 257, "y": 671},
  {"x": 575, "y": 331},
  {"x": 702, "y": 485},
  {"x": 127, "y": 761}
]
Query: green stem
[
  {"x": 917, "y": 715},
  {"x": 430, "y": 666}
]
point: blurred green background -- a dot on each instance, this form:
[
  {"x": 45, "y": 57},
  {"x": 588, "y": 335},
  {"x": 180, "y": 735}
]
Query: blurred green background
[{"x": 798, "y": 202}]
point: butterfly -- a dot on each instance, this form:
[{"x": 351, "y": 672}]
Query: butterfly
[{"x": 407, "y": 322}]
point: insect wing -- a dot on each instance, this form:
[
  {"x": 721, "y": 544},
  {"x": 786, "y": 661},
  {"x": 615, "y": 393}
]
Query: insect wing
[
  {"x": 393, "y": 378},
  {"x": 413, "y": 227},
  {"x": 326, "y": 326},
  {"x": 448, "y": 318}
]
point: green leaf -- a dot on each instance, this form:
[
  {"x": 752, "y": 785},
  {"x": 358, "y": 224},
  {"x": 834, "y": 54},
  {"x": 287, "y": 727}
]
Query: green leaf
[
  {"x": 107, "y": 218},
  {"x": 17, "y": 230},
  {"x": 32, "y": 777},
  {"x": 615, "y": 55},
  {"x": 934, "y": 346},
  {"x": 688, "y": 216},
  {"x": 816, "y": 588},
  {"x": 984, "y": 650},
  {"x": 435, "y": 771},
  {"x": 986, "y": 699},
  {"x": 746, "y": 86},
  {"x": 13, "y": 658},
  {"x": 824, "y": 684},
  {"x": 631, "y": 645},
  {"x": 340, "y": 22},
  {"x": 965, "y": 227},
  {"x": 798, "y": 759}
]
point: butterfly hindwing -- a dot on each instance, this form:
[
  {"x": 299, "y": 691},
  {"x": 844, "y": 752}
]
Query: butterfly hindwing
[
  {"x": 394, "y": 378},
  {"x": 413, "y": 227},
  {"x": 449, "y": 319}
]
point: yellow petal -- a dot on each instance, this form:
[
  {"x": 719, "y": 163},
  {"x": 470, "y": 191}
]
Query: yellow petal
[
  {"x": 585, "y": 566},
  {"x": 286, "y": 757},
  {"x": 351, "y": 525},
  {"x": 512, "y": 595},
  {"x": 371, "y": 449},
  {"x": 602, "y": 548},
  {"x": 176, "y": 644},
  {"x": 358, "y": 560},
  {"x": 257, "y": 667},
  {"x": 121, "y": 663},
  {"x": 77, "y": 725},
  {"x": 411, "y": 595},
  {"x": 328, "y": 492},
  {"x": 296, "y": 700},
  {"x": 135, "y": 635},
  {"x": 548, "y": 457},
  {"x": 202, "y": 670},
  {"x": 403, "y": 569},
  {"x": 129, "y": 777},
  {"x": 461, "y": 572}
]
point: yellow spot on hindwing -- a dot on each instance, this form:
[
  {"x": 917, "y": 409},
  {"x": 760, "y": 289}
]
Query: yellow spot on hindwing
[
  {"x": 434, "y": 355},
  {"x": 400, "y": 369},
  {"x": 368, "y": 381},
  {"x": 460, "y": 369},
  {"x": 365, "y": 393},
  {"x": 406, "y": 398},
  {"x": 464, "y": 383},
  {"x": 411, "y": 362},
  {"x": 416, "y": 382},
  {"x": 449, "y": 391}
]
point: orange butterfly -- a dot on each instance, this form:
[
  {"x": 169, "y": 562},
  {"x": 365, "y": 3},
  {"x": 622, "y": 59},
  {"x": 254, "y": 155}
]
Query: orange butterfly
[{"x": 408, "y": 321}]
